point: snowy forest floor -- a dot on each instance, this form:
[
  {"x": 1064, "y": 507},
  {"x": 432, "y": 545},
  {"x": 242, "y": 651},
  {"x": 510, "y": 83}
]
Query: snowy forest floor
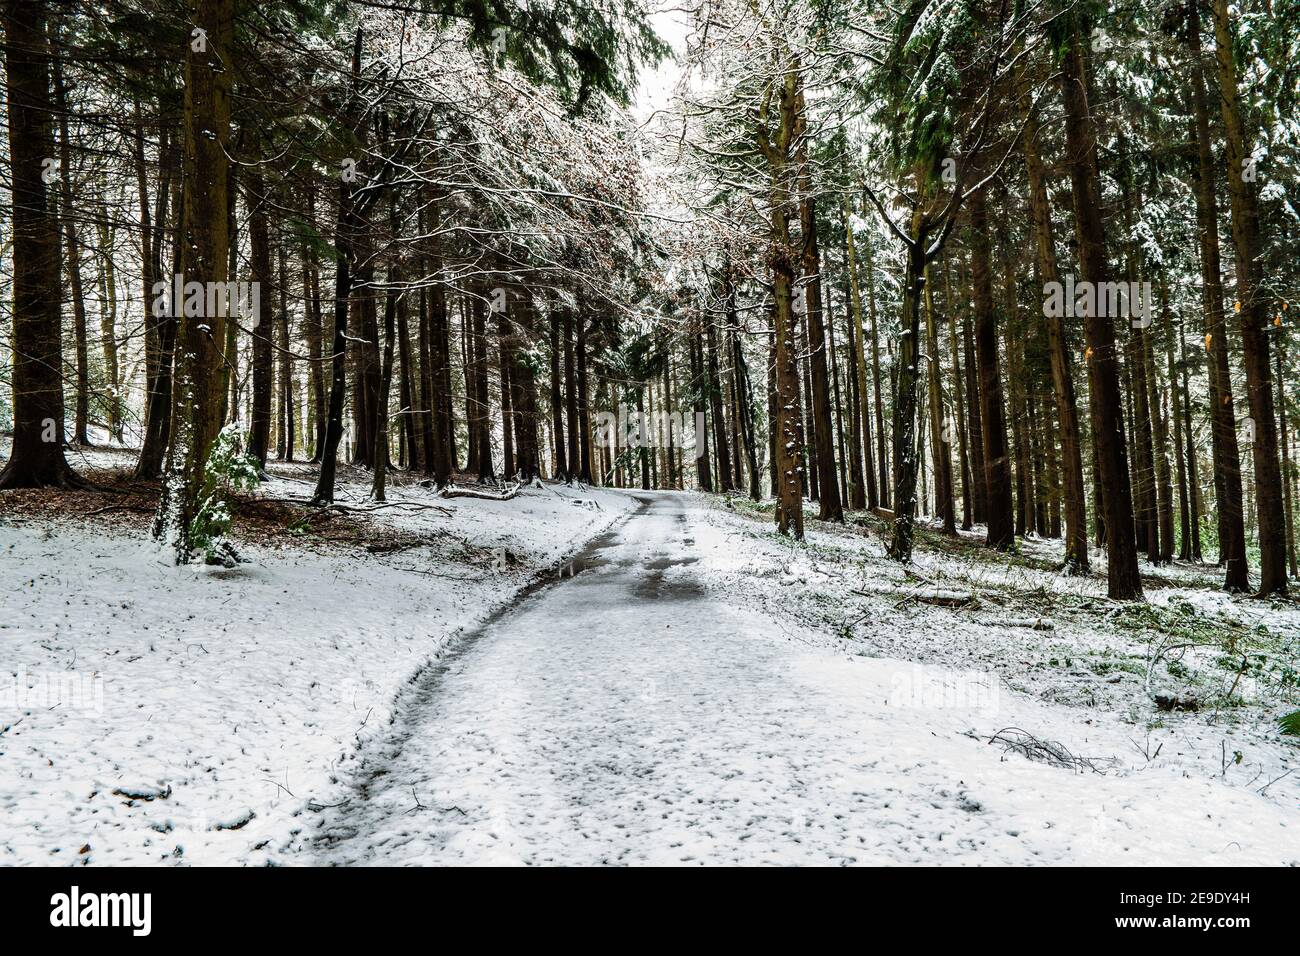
[
  {"x": 152, "y": 714},
  {"x": 692, "y": 688}
]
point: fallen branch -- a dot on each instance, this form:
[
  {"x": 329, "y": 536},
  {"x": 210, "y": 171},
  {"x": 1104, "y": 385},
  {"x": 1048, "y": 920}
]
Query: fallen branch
[
  {"x": 940, "y": 598},
  {"x": 452, "y": 492},
  {"x": 1033, "y": 623},
  {"x": 1051, "y": 752}
]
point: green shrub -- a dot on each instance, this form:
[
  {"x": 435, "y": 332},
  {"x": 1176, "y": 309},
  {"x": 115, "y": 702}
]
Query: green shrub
[{"x": 228, "y": 470}]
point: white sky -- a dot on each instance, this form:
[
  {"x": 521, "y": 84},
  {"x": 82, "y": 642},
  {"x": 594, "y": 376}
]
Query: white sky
[{"x": 655, "y": 87}]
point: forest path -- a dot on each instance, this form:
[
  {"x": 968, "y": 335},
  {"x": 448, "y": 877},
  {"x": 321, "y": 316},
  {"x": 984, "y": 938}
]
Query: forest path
[{"x": 632, "y": 714}]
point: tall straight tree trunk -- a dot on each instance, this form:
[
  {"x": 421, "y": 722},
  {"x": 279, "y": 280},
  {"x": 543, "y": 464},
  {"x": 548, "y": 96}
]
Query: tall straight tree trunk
[
  {"x": 284, "y": 365},
  {"x": 862, "y": 481},
  {"x": 345, "y": 229},
  {"x": 482, "y": 400},
  {"x": 523, "y": 389},
  {"x": 940, "y": 434},
  {"x": 149, "y": 269},
  {"x": 703, "y": 469},
  {"x": 406, "y": 384},
  {"x": 721, "y": 445},
  {"x": 164, "y": 317},
  {"x": 1160, "y": 426},
  {"x": 997, "y": 460},
  {"x": 882, "y": 459},
  {"x": 36, "y": 455},
  {"x": 572, "y": 426},
  {"x": 208, "y": 77},
  {"x": 974, "y": 428},
  {"x": 773, "y": 475},
  {"x": 837, "y": 394},
  {"x": 68, "y": 215},
  {"x": 906, "y": 407},
  {"x": 1286, "y": 458},
  {"x": 262, "y": 325},
  {"x": 1252, "y": 311},
  {"x": 557, "y": 399},
  {"x": 1058, "y": 347},
  {"x": 108, "y": 331},
  {"x": 1123, "y": 579},
  {"x": 1175, "y": 413},
  {"x": 787, "y": 432},
  {"x": 379, "y": 455},
  {"x": 746, "y": 417},
  {"x": 1227, "y": 457},
  {"x": 506, "y": 360},
  {"x": 1144, "y": 464},
  {"x": 584, "y": 405},
  {"x": 1014, "y": 348},
  {"x": 831, "y": 506},
  {"x": 315, "y": 331},
  {"x": 1193, "y": 478},
  {"x": 959, "y": 400}
]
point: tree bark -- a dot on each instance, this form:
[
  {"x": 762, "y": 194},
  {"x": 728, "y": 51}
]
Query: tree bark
[
  {"x": 997, "y": 462},
  {"x": 1123, "y": 579},
  {"x": 1252, "y": 312},
  {"x": 1067, "y": 407},
  {"x": 195, "y": 422},
  {"x": 36, "y": 456}
]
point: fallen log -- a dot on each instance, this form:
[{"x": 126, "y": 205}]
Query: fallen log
[
  {"x": 940, "y": 598},
  {"x": 453, "y": 492}
]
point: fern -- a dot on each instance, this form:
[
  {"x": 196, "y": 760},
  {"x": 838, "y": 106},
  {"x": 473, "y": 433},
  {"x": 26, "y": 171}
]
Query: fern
[{"x": 1290, "y": 724}]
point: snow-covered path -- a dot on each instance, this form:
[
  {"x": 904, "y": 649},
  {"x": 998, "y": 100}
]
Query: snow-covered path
[{"x": 631, "y": 714}]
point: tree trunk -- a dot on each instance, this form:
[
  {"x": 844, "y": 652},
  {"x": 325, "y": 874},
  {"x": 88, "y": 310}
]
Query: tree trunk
[
  {"x": 997, "y": 461},
  {"x": 482, "y": 399},
  {"x": 1227, "y": 457},
  {"x": 195, "y": 423},
  {"x": 572, "y": 426},
  {"x": 505, "y": 360},
  {"x": 1058, "y": 347},
  {"x": 831, "y": 507},
  {"x": 315, "y": 331},
  {"x": 344, "y": 231},
  {"x": 67, "y": 214},
  {"x": 905, "y": 402},
  {"x": 262, "y": 325},
  {"x": 862, "y": 478},
  {"x": 1252, "y": 311},
  {"x": 720, "y": 442},
  {"x": 882, "y": 459},
  {"x": 36, "y": 456},
  {"x": 940, "y": 434},
  {"x": 1123, "y": 579},
  {"x": 584, "y": 406},
  {"x": 379, "y": 455},
  {"x": 557, "y": 399},
  {"x": 959, "y": 401}
]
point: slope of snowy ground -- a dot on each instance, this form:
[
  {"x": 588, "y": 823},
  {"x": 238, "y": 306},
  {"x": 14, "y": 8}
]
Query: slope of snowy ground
[
  {"x": 155, "y": 714},
  {"x": 654, "y": 709}
]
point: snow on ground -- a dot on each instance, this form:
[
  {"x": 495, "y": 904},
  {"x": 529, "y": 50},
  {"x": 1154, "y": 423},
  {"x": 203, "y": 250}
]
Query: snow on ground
[
  {"x": 1096, "y": 658},
  {"x": 689, "y": 689},
  {"x": 151, "y": 714},
  {"x": 653, "y": 710}
]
